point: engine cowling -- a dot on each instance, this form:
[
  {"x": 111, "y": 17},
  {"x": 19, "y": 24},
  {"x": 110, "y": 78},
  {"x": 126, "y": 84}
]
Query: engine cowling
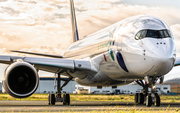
[{"x": 20, "y": 80}]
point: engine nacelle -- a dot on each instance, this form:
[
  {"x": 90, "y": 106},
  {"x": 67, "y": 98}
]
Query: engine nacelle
[{"x": 20, "y": 80}]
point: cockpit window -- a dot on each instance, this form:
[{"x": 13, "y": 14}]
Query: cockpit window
[
  {"x": 143, "y": 33},
  {"x": 153, "y": 34},
  {"x": 161, "y": 34},
  {"x": 138, "y": 35},
  {"x": 169, "y": 33}
]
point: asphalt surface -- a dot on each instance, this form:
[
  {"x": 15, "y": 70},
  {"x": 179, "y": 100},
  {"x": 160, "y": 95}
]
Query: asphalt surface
[{"x": 85, "y": 106}]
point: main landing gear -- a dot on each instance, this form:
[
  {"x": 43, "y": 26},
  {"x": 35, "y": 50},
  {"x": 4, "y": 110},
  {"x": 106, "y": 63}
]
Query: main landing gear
[
  {"x": 53, "y": 98},
  {"x": 151, "y": 97}
]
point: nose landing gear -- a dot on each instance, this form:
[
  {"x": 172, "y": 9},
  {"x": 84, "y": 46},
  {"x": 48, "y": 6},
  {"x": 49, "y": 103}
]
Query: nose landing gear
[{"x": 151, "y": 97}]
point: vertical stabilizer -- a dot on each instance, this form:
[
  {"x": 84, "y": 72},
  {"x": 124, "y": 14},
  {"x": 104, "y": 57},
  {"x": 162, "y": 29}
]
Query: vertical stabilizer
[{"x": 75, "y": 35}]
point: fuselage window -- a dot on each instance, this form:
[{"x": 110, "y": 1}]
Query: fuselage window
[{"x": 153, "y": 34}]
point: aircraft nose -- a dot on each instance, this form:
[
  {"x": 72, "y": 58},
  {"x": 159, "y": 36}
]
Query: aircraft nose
[
  {"x": 163, "y": 65},
  {"x": 159, "y": 48},
  {"x": 161, "y": 51}
]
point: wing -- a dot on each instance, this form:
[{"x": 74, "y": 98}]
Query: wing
[
  {"x": 177, "y": 61},
  {"x": 22, "y": 71},
  {"x": 50, "y": 64}
]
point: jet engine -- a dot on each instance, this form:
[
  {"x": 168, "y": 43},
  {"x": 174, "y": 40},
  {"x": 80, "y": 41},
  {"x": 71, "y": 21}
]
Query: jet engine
[{"x": 20, "y": 80}]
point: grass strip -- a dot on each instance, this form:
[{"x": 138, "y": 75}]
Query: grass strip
[{"x": 77, "y": 97}]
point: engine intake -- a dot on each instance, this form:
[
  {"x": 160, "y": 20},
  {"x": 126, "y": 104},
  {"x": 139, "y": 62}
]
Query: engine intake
[{"x": 20, "y": 80}]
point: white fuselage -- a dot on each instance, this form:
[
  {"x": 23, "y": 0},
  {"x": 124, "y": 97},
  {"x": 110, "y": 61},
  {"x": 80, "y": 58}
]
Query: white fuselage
[{"x": 119, "y": 57}]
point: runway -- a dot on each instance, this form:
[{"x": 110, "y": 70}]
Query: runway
[{"x": 78, "y": 106}]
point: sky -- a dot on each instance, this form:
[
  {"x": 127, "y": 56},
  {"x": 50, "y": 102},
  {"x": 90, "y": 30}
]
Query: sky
[{"x": 44, "y": 25}]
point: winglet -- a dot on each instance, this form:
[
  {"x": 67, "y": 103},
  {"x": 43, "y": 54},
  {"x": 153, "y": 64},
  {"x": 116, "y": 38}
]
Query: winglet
[{"x": 75, "y": 35}]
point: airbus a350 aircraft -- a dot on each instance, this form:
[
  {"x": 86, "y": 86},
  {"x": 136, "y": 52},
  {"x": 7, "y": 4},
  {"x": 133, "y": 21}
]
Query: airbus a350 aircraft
[{"x": 135, "y": 49}]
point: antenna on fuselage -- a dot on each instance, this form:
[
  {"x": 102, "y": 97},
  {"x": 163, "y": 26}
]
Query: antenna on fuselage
[{"x": 75, "y": 35}]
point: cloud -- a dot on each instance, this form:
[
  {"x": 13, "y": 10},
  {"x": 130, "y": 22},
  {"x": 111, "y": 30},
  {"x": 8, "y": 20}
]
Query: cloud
[
  {"x": 10, "y": 11},
  {"x": 176, "y": 31},
  {"x": 44, "y": 26},
  {"x": 3, "y": 0},
  {"x": 34, "y": 24}
]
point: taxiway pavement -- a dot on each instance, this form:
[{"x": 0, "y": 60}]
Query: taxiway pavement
[{"x": 81, "y": 106}]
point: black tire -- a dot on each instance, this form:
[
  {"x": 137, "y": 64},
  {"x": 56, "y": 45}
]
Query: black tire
[
  {"x": 157, "y": 100},
  {"x": 136, "y": 98},
  {"x": 67, "y": 99},
  {"x": 49, "y": 99},
  {"x": 52, "y": 99},
  {"x": 64, "y": 99},
  {"x": 148, "y": 101},
  {"x": 141, "y": 98}
]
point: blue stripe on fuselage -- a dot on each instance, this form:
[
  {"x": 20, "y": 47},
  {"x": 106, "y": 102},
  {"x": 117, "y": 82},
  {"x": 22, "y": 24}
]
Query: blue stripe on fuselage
[{"x": 121, "y": 62}]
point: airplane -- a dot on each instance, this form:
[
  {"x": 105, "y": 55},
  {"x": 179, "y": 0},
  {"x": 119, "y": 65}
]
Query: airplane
[{"x": 139, "y": 48}]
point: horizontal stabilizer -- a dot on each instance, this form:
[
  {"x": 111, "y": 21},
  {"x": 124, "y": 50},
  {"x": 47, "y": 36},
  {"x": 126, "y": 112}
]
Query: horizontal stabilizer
[{"x": 39, "y": 54}]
